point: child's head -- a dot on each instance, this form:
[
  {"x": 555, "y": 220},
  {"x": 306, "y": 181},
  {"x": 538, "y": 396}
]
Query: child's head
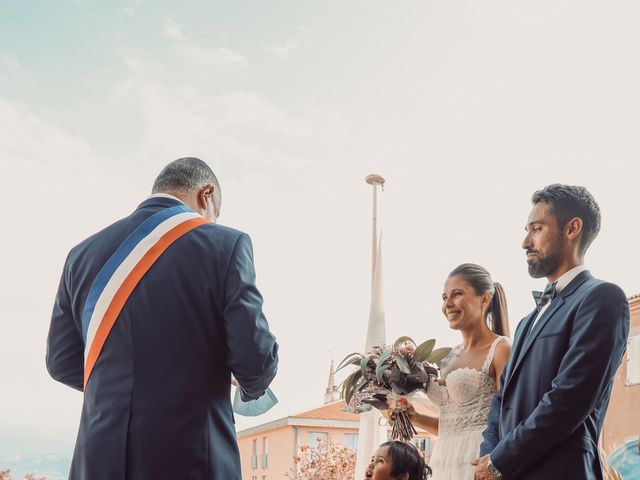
[{"x": 397, "y": 460}]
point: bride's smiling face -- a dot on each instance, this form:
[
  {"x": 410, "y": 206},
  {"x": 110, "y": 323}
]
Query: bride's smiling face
[{"x": 461, "y": 304}]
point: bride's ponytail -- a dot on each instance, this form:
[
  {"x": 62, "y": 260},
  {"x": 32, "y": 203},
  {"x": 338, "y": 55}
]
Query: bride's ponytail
[{"x": 498, "y": 311}]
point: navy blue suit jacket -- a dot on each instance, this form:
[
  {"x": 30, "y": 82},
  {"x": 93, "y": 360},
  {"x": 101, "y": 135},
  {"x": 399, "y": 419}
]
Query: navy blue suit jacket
[
  {"x": 546, "y": 419},
  {"x": 157, "y": 404}
]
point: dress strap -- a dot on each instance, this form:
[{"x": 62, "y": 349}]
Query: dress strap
[{"x": 492, "y": 351}]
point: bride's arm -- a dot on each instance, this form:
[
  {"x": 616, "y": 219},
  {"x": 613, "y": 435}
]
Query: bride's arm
[
  {"x": 503, "y": 350},
  {"x": 426, "y": 422}
]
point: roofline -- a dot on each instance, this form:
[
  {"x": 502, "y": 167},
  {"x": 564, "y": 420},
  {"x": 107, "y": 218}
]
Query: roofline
[
  {"x": 298, "y": 422},
  {"x": 634, "y": 302}
]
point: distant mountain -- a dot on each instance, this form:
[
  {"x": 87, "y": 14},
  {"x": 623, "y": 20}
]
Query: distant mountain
[{"x": 51, "y": 466}]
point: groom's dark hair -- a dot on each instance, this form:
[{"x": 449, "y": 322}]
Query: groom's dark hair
[
  {"x": 569, "y": 201},
  {"x": 185, "y": 175}
]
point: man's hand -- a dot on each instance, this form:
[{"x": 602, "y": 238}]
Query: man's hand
[{"x": 482, "y": 470}]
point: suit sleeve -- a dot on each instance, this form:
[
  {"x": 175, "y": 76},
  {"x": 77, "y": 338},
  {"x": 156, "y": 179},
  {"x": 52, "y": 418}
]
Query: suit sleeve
[
  {"x": 253, "y": 351},
  {"x": 596, "y": 347},
  {"x": 65, "y": 347},
  {"x": 491, "y": 434}
]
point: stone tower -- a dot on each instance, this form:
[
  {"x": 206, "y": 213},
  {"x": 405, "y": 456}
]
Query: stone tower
[{"x": 331, "y": 394}]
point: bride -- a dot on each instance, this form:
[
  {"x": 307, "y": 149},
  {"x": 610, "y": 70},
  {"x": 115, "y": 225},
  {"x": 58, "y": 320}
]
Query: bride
[{"x": 476, "y": 306}]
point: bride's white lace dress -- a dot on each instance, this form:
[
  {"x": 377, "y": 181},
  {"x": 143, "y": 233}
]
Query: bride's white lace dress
[{"x": 464, "y": 409}]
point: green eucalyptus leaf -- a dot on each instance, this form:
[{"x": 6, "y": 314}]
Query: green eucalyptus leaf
[
  {"x": 403, "y": 365},
  {"x": 424, "y": 350},
  {"x": 402, "y": 340},
  {"x": 438, "y": 355},
  {"x": 363, "y": 408},
  {"x": 380, "y": 372},
  {"x": 364, "y": 362},
  {"x": 363, "y": 365},
  {"x": 361, "y": 384},
  {"x": 385, "y": 356},
  {"x": 351, "y": 359},
  {"x": 345, "y": 393},
  {"x": 348, "y": 386}
]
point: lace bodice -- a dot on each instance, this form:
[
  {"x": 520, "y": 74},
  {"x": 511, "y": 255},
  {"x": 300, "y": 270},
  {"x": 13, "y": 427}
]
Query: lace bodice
[{"x": 465, "y": 399}]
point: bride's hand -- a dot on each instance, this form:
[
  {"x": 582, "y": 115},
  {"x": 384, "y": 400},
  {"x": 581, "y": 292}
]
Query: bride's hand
[
  {"x": 411, "y": 411},
  {"x": 409, "y": 408}
]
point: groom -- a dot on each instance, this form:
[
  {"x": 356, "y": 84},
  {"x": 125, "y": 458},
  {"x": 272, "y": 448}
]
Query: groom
[
  {"x": 153, "y": 315},
  {"x": 546, "y": 419}
]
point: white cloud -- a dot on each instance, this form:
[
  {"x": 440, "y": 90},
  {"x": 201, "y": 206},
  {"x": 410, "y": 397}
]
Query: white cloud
[
  {"x": 212, "y": 56},
  {"x": 25, "y": 136},
  {"x": 173, "y": 30},
  {"x": 284, "y": 49},
  {"x": 220, "y": 57},
  {"x": 249, "y": 110}
]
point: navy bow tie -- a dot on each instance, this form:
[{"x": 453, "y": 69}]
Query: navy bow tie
[{"x": 542, "y": 298}]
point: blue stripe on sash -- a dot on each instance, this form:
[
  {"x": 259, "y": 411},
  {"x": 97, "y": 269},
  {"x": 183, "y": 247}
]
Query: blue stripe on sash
[{"x": 119, "y": 256}]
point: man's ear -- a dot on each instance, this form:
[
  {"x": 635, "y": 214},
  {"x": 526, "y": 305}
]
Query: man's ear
[
  {"x": 574, "y": 228},
  {"x": 204, "y": 193}
]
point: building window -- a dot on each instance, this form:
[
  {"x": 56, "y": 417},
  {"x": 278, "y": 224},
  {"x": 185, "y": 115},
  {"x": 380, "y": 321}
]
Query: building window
[
  {"x": 633, "y": 360},
  {"x": 423, "y": 443},
  {"x": 351, "y": 441},
  {"x": 254, "y": 455},
  {"x": 314, "y": 438},
  {"x": 265, "y": 452}
]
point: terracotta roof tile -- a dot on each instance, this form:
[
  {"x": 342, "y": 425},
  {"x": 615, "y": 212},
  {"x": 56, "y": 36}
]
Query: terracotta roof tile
[{"x": 330, "y": 411}]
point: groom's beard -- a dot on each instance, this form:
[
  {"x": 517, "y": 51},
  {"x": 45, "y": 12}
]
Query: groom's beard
[{"x": 543, "y": 266}]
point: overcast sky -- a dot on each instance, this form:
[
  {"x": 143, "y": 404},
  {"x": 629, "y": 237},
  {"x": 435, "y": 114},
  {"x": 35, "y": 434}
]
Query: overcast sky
[{"x": 466, "y": 107}]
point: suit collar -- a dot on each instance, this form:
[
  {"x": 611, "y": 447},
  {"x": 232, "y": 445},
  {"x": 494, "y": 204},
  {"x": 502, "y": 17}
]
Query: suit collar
[
  {"x": 566, "y": 278},
  {"x": 573, "y": 285},
  {"x": 158, "y": 201}
]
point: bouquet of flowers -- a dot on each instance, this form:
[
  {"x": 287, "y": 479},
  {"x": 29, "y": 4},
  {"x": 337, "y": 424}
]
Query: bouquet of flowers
[{"x": 388, "y": 372}]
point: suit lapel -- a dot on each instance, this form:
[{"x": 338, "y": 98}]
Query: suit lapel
[
  {"x": 526, "y": 337},
  {"x": 518, "y": 340},
  {"x": 537, "y": 328}
]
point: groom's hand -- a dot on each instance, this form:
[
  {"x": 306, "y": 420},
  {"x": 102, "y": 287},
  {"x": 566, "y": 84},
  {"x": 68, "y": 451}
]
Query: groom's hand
[{"x": 482, "y": 470}]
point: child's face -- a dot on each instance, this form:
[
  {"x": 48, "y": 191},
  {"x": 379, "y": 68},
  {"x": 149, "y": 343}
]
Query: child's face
[{"x": 380, "y": 466}]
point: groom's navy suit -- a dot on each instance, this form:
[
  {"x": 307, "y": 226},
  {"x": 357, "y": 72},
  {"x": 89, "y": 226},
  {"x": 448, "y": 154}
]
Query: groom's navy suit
[
  {"x": 157, "y": 405},
  {"x": 545, "y": 421}
]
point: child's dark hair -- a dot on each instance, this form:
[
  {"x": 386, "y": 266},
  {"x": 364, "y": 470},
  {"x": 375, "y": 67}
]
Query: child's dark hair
[{"x": 405, "y": 458}]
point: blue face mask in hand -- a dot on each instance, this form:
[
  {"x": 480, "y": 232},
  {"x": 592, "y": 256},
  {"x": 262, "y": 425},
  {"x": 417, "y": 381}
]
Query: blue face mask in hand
[{"x": 253, "y": 408}]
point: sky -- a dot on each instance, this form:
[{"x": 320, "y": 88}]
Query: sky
[{"x": 465, "y": 107}]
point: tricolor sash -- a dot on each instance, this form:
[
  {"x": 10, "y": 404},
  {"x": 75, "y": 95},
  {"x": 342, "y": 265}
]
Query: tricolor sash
[{"x": 119, "y": 276}]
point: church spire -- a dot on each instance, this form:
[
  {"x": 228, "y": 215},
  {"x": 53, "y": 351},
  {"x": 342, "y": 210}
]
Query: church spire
[{"x": 331, "y": 393}]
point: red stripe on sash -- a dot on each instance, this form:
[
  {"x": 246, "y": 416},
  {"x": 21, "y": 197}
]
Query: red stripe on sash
[{"x": 127, "y": 287}]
